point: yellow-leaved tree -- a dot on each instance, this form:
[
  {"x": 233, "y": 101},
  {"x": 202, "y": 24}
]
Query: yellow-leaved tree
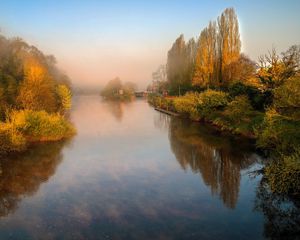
[
  {"x": 37, "y": 91},
  {"x": 229, "y": 43},
  {"x": 206, "y": 57}
]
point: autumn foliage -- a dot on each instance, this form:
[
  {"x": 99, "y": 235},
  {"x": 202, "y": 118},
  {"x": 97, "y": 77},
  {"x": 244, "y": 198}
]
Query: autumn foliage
[{"x": 34, "y": 93}]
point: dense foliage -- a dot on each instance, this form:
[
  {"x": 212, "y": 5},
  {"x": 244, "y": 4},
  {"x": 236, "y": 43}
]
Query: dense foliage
[
  {"x": 224, "y": 87},
  {"x": 33, "y": 93}
]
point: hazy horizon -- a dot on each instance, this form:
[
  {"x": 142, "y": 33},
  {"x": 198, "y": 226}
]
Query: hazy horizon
[{"x": 94, "y": 42}]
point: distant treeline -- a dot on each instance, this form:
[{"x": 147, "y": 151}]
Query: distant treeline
[{"x": 34, "y": 95}]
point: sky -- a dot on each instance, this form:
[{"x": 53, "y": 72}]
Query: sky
[{"x": 95, "y": 41}]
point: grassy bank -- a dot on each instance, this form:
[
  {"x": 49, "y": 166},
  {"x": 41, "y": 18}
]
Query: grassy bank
[
  {"x": 25, "y": 127},
  {"x": 277, "y": 132},
  {"x": 215, "y": 107}
]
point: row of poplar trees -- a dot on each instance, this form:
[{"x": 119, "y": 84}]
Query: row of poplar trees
[{"x": 214, "y": 60}]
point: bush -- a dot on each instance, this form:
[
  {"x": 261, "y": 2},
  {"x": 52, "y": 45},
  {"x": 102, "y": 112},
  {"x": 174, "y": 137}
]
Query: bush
[
  {"x": 287, "y": 98},
  {"x": 192, "y": 105},
  {"x": 258, "y": 99},
  {"x": 187, "y": 105},
  {"x": 212, "y": 99},
  {"x": 278, "y": 132},
  {"x": 209, "y": 102},
  {"x": 239, "y": 108},
  {"x": 41, "y": 126}
]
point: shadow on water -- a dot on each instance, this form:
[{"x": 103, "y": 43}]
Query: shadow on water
[{"x": 22, "y": 175}]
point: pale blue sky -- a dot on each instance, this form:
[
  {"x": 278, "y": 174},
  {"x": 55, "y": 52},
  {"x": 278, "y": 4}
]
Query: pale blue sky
[{"x": 95, "y": 41}]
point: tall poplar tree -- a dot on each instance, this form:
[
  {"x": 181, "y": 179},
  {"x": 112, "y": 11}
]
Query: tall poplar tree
[
  {"x": 176, "y": 65},
  {"x": 204, "y": 74},
  {"x": 229, "y": 43}
]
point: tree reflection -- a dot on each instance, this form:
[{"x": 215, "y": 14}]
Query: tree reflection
[
  {"x": 282, "y": 213},
  {"x": 218, "y": 159},
  {"x": 162, "y": 121},
  {"x": 22, "y": 176},
  {"x": 116, "y": 109}
]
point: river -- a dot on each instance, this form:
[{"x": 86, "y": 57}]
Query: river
[{"x": 133, "y": 173}]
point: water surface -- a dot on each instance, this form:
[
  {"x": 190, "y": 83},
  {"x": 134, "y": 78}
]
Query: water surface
[{"x": 132, "y": 173}]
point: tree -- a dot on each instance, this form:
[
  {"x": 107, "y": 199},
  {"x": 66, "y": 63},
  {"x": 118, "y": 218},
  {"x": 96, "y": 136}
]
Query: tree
[
  {"x": 229, "y": 43},
  {"x": 28, "y": 77},
  {"x": 275, "y": 70},
  {"x": 176, "y": 65},
  {"x": 64, "y": 97},
  {"x": 218, "y": 55},
  {"x": 190, "y": 58},
  {"x": 37, "y": 91},
  {"x": 114, "y": 89},
  {"x": 287, "y": 97},
  {"x": 241, "y": 70},
  {"x": 206, "y": 57},
  {"x": 291, "y": 60},
  {"x": 130, "y": 87}
]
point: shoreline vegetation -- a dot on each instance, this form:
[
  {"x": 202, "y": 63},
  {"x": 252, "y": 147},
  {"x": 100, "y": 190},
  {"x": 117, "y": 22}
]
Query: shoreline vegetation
[
  {"x": 35, "y": 97},
  {"x": 116, "y": 90},
  {"x": 210, "y": 80}
]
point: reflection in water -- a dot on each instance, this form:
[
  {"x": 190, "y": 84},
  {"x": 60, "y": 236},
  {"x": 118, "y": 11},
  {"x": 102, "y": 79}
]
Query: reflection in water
[
  {"x": 282, "y": 214},
  {"x": 21, "y": 176},
  {"x": 162, "y": 121},
  {"x": 212, "y": 156},
  {"x": 115, "y": 108},
  {"x": 121, "y": 180}
]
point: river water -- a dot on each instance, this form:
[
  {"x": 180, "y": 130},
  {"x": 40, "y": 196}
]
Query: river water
[{"x": 132, "y": 173}]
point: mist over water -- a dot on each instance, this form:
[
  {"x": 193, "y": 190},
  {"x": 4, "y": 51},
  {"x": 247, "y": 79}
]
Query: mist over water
[{"x": 95, "y": 42}]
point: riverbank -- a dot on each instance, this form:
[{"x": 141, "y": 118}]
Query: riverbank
[
  {"x": 25, "y": 127},
  {"x": 275, "y": 134},
  {"x": 166, "y": 112},
  {"x": 212, "y": 114}
]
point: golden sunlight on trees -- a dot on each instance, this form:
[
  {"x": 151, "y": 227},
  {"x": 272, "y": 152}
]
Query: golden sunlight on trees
[
  {"x": 242, "y": 70},
  {"x": 33, "y": 87},
  {"x": 37, "y": 90},
  {"x": 228, "y": 40},
  {"x": 275, "y": 70},
  {"x": 215, "y": 60},
  {"x": 205, "y": 71}
]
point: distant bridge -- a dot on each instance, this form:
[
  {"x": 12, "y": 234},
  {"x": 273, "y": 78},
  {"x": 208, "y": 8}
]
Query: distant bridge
[{"x": 141, "y": 94}]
